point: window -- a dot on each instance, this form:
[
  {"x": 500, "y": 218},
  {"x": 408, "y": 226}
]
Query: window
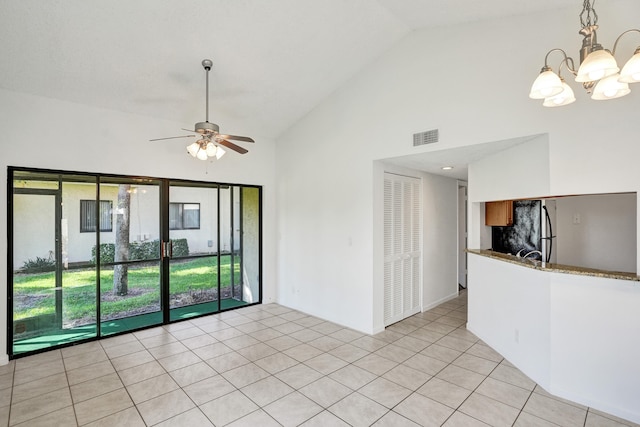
[
  {"x": 184, "y": 216},
  {"x": 88, "y": 215}
]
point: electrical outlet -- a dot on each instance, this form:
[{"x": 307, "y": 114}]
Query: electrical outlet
[{"x": 576, "y": 218}]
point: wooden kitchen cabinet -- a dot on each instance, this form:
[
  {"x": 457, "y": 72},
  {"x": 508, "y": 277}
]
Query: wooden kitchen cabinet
[{"x": 499, "y": 213}]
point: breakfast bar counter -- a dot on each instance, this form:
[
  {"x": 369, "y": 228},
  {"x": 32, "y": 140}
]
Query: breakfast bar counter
[{"x": 555, "y": 268}]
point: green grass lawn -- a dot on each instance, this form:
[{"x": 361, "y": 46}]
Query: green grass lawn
[{"x": 34, "y": 294}]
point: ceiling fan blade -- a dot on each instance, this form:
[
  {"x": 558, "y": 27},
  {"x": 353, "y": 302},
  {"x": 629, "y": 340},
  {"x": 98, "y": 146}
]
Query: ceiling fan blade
[
  {"x": 232, "y": 146},
  {"x": 172, "y": 137},
  {"x": 237, "y": 138}
]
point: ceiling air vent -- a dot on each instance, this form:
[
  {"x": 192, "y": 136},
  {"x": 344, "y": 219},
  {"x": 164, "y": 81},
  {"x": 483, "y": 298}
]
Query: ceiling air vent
[{"x": 423, "y": 138}]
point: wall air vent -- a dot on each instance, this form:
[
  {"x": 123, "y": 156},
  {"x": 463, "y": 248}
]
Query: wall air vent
[{"x": 423, "y": 138}]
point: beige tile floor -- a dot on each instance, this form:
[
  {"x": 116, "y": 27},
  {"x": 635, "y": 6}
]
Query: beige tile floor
[{"x": 268, "y": 365}]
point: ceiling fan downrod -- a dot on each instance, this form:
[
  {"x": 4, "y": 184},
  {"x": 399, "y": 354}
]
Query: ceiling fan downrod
[
  {"x": 202, "y": 127},
  {"x": 207, "y": 64}
]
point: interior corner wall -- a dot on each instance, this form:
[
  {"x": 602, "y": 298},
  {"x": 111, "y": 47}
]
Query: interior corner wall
[
  {"x": 325, "y": 176},
  {"x": 521, "y": 171},
  {"x": 40, "y": 132},
  {"x": 440, "y": 245},
  {"x": 518, "y": 172}
]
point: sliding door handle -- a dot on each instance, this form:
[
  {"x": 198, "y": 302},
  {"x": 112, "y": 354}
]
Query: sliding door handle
[{"x": 167, "y": 249}]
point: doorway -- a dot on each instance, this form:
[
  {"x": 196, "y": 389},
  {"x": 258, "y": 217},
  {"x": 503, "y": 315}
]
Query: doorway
[
  {"x": 93, "y": 255},
  {"x": 462, "y": 235},
  {"x": 402, "y": 247}
]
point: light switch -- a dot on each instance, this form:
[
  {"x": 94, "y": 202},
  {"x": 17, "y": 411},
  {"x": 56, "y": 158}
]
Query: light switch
[{"x": 576, "y": 218}]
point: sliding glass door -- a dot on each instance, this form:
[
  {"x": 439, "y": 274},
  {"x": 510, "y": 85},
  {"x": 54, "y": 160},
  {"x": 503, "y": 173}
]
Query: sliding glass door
[
  {"x": 193, "y": 250},
  {"x": 130, "y": 262},
  {"x": 93, "y": 255},
  {"x": 206, "y": 249},
  {"x": 54, "y": 276}
]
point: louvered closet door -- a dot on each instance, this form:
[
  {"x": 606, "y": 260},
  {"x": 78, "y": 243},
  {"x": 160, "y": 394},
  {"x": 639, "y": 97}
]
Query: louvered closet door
[{"x": 402, "y": 253}]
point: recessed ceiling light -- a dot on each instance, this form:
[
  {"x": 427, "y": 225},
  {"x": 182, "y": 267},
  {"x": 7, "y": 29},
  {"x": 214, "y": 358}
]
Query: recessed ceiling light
[{"x": 447, "y": 168}]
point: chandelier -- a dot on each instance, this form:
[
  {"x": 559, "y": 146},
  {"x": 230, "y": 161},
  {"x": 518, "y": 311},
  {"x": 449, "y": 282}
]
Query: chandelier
[{"x": 598, "y": 72}]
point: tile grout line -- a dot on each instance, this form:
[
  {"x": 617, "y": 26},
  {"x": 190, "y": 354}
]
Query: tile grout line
[
  {"x": 123, "y": 385},
  {"x": 371, "y": 349},
  {"x": 66, "y": 377}
]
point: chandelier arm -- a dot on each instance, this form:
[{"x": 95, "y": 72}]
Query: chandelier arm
[
  {"x": 569, "y": 65},
  {"x": 567, "y": 59},
  {"x": 615, "y": 45}
]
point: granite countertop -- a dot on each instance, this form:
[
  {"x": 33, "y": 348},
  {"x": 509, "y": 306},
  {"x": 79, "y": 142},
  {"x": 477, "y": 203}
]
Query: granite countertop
[{"x": 556, "y": 268}]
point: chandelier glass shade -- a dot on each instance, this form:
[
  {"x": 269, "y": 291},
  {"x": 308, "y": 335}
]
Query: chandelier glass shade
[
  {"x": 631, "y": 71},
  {"x": 597, "y": 65},
  {"x": 598, "y": 72},
  {"x": 565, "y": 97},
  {"x": 610, "y": 87},
  {"x": 547, "y": 84}
]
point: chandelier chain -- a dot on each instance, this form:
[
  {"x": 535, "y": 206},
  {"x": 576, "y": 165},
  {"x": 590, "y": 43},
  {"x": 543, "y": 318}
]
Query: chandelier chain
[{"x": 588, "y": 16}]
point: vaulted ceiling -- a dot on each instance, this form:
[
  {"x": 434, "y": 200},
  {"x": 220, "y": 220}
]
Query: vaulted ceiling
[{"x": 273, "y": 60}]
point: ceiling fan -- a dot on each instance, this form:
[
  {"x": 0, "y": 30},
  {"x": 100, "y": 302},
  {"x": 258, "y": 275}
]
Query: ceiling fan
[{"x": 211, "y": 142}]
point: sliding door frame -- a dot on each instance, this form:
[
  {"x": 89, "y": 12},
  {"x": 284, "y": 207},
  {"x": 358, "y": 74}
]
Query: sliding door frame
[{"x": 164, "y": 233}]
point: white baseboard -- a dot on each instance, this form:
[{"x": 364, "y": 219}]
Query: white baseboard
[
  {"x": 438, "y": 302},
  {"x": 378, "y": 330},
  {"x": 4, "y": 359}
]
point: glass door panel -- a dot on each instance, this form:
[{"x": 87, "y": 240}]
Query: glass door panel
[
  {"x": 94, "y": 255},
  {"x": 79, "y": 274},
  {"x": 193, "y": 265},
  {"x": 236, "y": 258},
  {"x": 54, "y": 299},
  {"x": 230, "y": 281},
  {"x": 36, "y": 311},
  {"x": 130, "y": 273},
  {"x": 250, "y": 249}
]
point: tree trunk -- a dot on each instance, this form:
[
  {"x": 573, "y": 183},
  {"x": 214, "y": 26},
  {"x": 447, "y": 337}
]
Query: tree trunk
[{"x": 120, "y": 272}]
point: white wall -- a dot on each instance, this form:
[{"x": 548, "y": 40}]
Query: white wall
[
  {"x": 45, "y": 133},
  {"x": 509, "y": 309},
  {"x": 568, "y": 333},
  {"x": 593, "y": 361},
  {"x": 519, "y": 172},
  {"x": 326, "y": 181},
  {"x": 469, "y": 81},
  {"x": 440, "y": 213},
  {"x": 604, "y": 235}
]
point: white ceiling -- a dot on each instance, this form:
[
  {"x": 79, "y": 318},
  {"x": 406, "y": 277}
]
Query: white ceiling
[
  {"x": 273, "y": 60},
  {"x": 458, "y": 158}
]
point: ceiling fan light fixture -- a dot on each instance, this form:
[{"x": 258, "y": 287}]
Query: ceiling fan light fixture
[
  {"x": 202, "y": 155},
  {"x": 193, "y": 149},
  {"x": 211, "y": 149},
  {"x": 220, "y": 152}
]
